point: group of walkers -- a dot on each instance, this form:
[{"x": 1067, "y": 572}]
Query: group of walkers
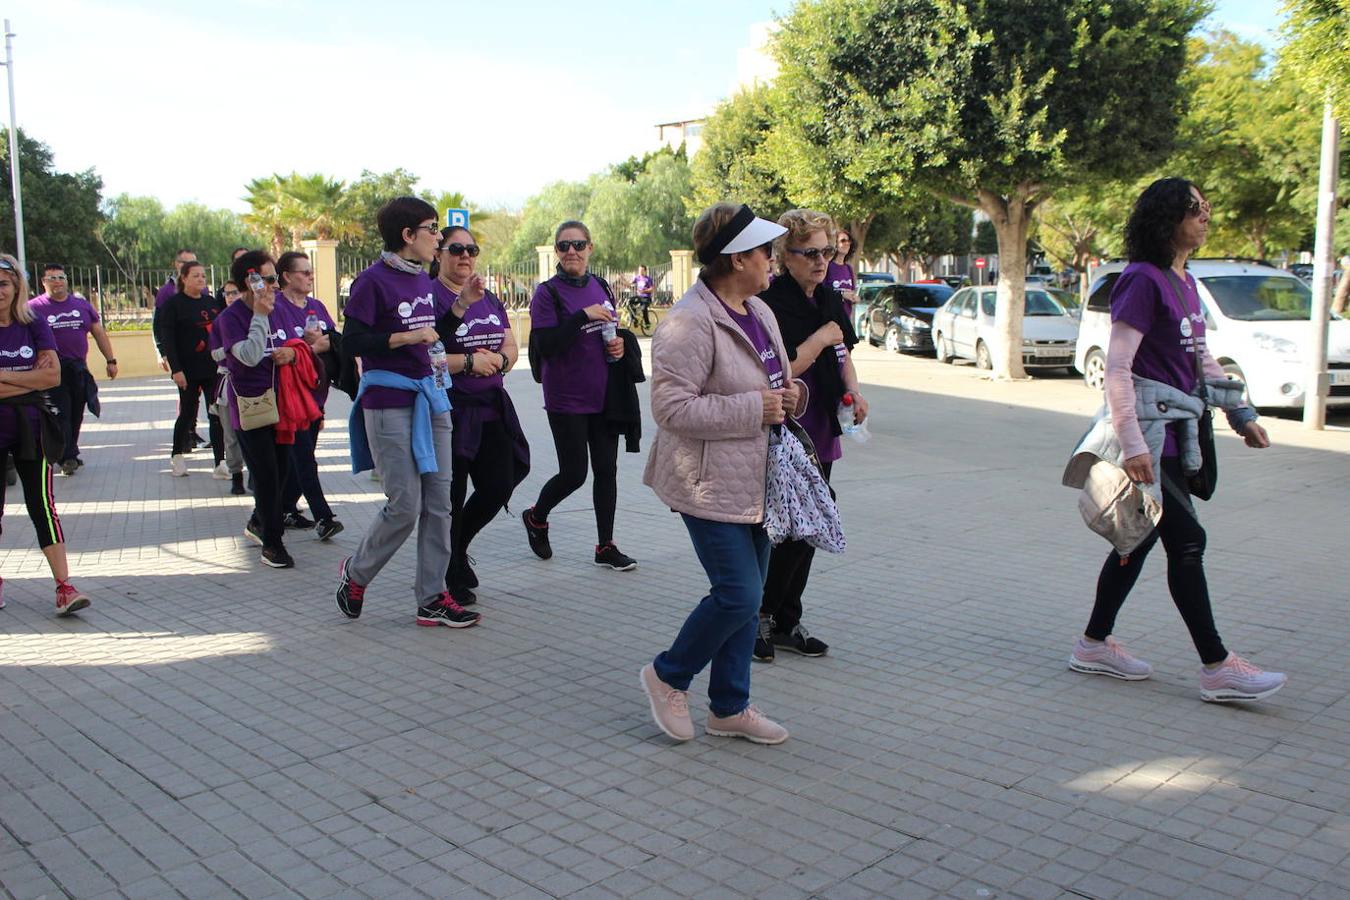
[{"x": 763, "y": 336}]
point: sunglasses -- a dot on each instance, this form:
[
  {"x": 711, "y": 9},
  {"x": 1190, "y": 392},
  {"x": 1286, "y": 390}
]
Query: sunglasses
[
  {"x": 53, "y": 278},
  {"x": 429, "y": 227},
  {"x": 270, "y": 279},
  {"x": 814, "y": 253},
  {"x": 1195, "y": 207},
  {"x": 564, "y": 246},
  {"x": 767, "y": 248},
  {"x": 7, "y": 266},
  {"x": 299, "y": 271},
  {"x": 460, "y": 249}
]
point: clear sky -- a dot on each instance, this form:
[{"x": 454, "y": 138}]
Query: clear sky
[{"x": 189, "y": 100}]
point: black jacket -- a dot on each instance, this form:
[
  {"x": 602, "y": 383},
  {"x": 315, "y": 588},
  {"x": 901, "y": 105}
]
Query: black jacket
[
  {"x": 798, "y": 318},
  {"x": 183, "y": 333},
  {"x": 623, "y": 413}
]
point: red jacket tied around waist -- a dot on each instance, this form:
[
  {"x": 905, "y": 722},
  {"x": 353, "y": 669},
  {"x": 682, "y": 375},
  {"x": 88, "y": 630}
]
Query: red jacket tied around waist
[{"x": 296, "y": 409}]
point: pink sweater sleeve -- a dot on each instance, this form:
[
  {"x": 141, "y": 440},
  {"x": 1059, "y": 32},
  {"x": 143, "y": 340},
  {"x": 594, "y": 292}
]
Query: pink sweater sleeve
[{"x": 1120, "y": 397}]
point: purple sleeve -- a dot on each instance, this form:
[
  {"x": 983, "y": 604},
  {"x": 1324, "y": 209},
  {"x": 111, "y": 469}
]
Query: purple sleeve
[
  {"x": 164, "y": 293},
  {"x": 43, "y": 338},
  {"x": 93, "y": 313},
  {"x": 227, "y": 329},
  {"x": 543, "y": 308},
  {"x": 361, "y": 303},
  {"x": 1134, "y": 301}
]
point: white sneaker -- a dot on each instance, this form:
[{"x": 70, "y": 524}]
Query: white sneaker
[
  {"x": 178, "y": 465},
  {"x": 221, "y": 472},
  {"x": 1238, "y": 680}
]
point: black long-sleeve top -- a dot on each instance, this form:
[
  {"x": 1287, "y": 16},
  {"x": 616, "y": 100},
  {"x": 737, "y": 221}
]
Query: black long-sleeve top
[{"x": 183, "y": 334}]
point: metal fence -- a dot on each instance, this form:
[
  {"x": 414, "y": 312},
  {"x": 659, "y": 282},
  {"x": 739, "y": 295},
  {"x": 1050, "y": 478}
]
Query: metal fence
[{"x": 123, "y": 296}]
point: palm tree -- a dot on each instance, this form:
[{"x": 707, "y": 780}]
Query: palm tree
[
  {"x": 454, "y": 200},
  {"x": 319, "y": 206},
  {"x": 268, "y": 211}
]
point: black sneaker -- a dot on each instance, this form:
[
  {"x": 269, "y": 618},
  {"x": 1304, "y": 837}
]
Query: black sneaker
[
  {"x": 445, "y": 611},
  {"x": 277, "y": 558},
  {"x": 350, "y": 595},
  {"x": 799, "y": 640},
  {"x": 537, "y": 532},
  {"x": 253, "y": 531},
  {"x": 763, "y": 651},
  {"x": 237, "y": 484},
  {"x": 326, "y": 528},
  {"x": 297, "y": 520},
  {"x": 69, "y": 466},
  {"x": 609, "y": 555}
]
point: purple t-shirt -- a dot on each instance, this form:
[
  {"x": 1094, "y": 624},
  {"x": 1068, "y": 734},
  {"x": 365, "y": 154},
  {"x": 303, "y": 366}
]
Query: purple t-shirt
[
  {"x": 391, "y": 302},
  {"x": 1145, "y": 298},
  {"x": 575, "y": 380},
  {"x": 163, "y": 294},
  {"x": 759, "y": 337},
  {"x": 642, "y": 285},
  {"x": 231, "y": 327},
  {"x": 19, "y": 348},
  {"x": 840, "y": 277},
  {"x": 483, "y": 328},
  {"x": 70, "y": 319},
  {"x": 291, "y": 318}
]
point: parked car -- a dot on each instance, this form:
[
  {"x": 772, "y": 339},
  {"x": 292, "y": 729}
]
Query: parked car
[
  {"x": 964, "y": 329},
  {"x": 1302, "y": 271},
  {"x": 901, "y": 316},
  {"x": 866, "y": 294},
  {"x": 954, "y": 282},
  {"x": 1257, "y": 326},
  {"x": 881, "y": 277}
]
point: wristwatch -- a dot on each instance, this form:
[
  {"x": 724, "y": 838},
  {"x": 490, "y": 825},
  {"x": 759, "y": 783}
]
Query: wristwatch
[{"x": 110, "y": 362}]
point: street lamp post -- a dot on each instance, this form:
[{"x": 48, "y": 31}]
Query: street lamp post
[
  {"x": 14, "y": 152},
  {"x": 1318, "y": 378}
]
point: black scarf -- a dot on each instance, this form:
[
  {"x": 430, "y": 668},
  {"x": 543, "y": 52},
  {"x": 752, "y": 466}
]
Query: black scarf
[
  {"x": 573, "y": 280},
  {"x": 798, "y": 318}
]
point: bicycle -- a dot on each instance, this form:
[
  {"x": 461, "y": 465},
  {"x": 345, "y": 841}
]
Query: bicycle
[{"x": 636, "y": 315}]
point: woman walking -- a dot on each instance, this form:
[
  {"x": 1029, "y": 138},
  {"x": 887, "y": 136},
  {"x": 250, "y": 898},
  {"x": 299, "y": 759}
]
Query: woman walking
[
  {"x": 400, "y": 419},
  {"x": 568, "y": 317},
  {"x": 304, "y": 316},
  {"x": 1157, "y": 328},
  {"x": 253, "y": 350},
  {"x": 719, "y": 386},
  {"x": 840, "y": 274},
  {"x": 819, "y": 338},
  {"x": 28, "y": 368},
  {"x": 489, "y": 444},
  {"x": 183, "y": 326}
]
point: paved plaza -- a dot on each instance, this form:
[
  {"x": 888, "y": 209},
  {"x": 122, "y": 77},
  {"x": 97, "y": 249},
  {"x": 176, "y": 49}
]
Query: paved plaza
[{"x": 211, "y": 727}]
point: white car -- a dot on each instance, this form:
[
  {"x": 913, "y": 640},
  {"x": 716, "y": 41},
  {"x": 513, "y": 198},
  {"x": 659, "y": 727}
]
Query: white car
[
  {"x": 964, "y": 329},
  {"x": 1256, "y": 326}
]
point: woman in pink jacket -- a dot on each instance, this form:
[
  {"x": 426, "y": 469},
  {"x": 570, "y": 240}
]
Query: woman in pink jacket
[{"x": 719, "y": 384}]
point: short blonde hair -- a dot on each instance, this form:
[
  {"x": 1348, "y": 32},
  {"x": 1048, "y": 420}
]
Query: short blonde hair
[
  {"x": 18, "y": 308},
  {"x": 800, "y": 225},
  {"x": 709, "y": 222}
]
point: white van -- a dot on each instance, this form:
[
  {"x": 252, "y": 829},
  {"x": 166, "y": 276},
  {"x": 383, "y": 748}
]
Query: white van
[{"x": 1256, "y": 326}]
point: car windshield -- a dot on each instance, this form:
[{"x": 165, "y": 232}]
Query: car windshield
[
  {"x": 1036, "y": 303},
  {"x": 1255, "y": 298}
]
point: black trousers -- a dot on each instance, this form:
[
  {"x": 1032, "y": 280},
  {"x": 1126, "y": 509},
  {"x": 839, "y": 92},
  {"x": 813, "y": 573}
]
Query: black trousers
[
  {"x": 789, "y": 569},
  {"x": 187, "y": 417},
  {"x": 574, "y": 435},
  {"x": 302, "y": 476},
  {"x": 36, "y": 477},
  {"x": 69, "y": 397},
  {"x": 267, "y": 462},
  {"x": 493, "y": 472},
  {"x": 1184, "y": 541}
]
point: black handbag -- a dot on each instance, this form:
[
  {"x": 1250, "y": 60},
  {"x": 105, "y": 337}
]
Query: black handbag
[{"x": 1203, "y": 482}]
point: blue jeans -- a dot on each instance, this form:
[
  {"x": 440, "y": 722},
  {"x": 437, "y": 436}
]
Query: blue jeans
[{"x": 721, "y": 629}]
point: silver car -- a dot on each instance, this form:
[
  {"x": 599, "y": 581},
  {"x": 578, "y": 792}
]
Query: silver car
[{"x": 964, "y": 329}]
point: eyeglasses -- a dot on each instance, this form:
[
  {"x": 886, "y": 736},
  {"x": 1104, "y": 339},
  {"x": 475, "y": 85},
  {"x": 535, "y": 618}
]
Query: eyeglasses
[
  {"x": 1195, "y": 207},
  {"x": 53, "y": 278},
  {"x": 814, "y": 253},
  {"x": 232, "y": 293},
  {"x": 270, "y": 279},
  {"x": 7, "y": 266},
  {"x": 299, "y": 271},
  {"x": 767, "y": 248},
  {"x": 460, "y": 249},
  {"x": 564, "y": 246},
  {"x": 432, "y": 226}
]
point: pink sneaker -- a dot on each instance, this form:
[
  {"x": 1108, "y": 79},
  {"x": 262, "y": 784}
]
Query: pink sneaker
[
  {"x": 69, "y": 599},
  {"x": 670, "y": 708},
  {"x": 1107, "y": 658},
  {"x": 750, "y": 724},
  {"x": 1235, "y": 679}
]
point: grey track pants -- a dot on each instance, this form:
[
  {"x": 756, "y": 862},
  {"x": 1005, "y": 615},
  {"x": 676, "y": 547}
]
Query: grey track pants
[{"x": 412, "y": 500}]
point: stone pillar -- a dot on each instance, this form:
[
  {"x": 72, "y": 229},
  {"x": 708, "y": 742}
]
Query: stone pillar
[
  {"x": 548, "y": 261},
  {"x": 681, "y": 273},
  {"x": 323, "y": 257}
]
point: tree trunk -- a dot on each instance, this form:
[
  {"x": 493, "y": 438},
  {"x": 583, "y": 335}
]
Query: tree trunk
[
  {"x": 1342, "y": 293},
  {"x": 1011, "y": 224},
  {"x": 859, "y": 228}
]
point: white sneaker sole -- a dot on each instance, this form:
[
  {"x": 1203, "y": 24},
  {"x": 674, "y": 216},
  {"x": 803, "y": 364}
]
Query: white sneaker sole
[
  {"x": 1088, "y": 668},
  {"x": 1230, "y": 695},
  {"x": 749, "y": 737},
  {"x": 74, "y": 606},
  {"x": 628, "y": 568},
  {"x": 651, "y": 703}
]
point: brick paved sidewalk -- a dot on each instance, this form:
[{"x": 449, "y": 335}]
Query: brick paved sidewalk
[{"x": 211, "y": 727}]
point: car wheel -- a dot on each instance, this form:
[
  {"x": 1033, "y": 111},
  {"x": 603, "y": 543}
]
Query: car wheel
[
  {"x": 893, "y": 339},
  {"x": 982, "y": 358},
  {"x": 1094, "y": 370},
  {"x": 1234, "y": 372},
  {"x": 940, "y": 348}
]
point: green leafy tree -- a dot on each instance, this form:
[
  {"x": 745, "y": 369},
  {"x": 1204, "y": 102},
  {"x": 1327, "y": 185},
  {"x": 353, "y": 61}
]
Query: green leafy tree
[
  {"x": 733, "y": 164},
  {"x": 494, "y": 230},
  {"x": 922, "y": 230},
  {"x": 1083, "y": 223},
  {"x": 996, "y": 105},
  {"x": 139, "y": 234},
  {"x": 543, "y": 213},
  {"x": 60, "y": 209},
  {"x": 639, "y": 222},
  {"x": 270, "y": 215},
  {"x": 366, "y": 195},
  {"x": 318, "y": 207}
]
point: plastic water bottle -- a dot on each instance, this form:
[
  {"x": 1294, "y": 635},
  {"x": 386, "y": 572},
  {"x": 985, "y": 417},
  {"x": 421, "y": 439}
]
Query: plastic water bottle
[
  {"x": 256, "y": 283},
  {"x": 858, "y": 431},
  {"x": 312, "y": 323},
  {"x": 609, "y": 331},
  {"x": 440, "y": 367}
]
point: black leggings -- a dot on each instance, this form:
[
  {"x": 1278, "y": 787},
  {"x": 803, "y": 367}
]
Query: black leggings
[
  {"x": 493, "y": 471},
  {"x": 789, "y": 568},
  {"x": 36, "y": 477},
  {"x": 573, "y": 435},
  {"x": 302, "y": 476},
  {"x": 187, "y": 417},
  {"x": 1184, "y": 541},
  {"x": 267, "y": 463}
]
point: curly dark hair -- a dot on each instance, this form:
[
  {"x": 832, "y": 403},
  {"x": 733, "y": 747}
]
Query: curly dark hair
[{"x": 1154, "y": 220}]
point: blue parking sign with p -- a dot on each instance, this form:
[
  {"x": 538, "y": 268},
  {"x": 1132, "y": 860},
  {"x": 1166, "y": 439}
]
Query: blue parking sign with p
[{"x": 456, "y": 218}]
